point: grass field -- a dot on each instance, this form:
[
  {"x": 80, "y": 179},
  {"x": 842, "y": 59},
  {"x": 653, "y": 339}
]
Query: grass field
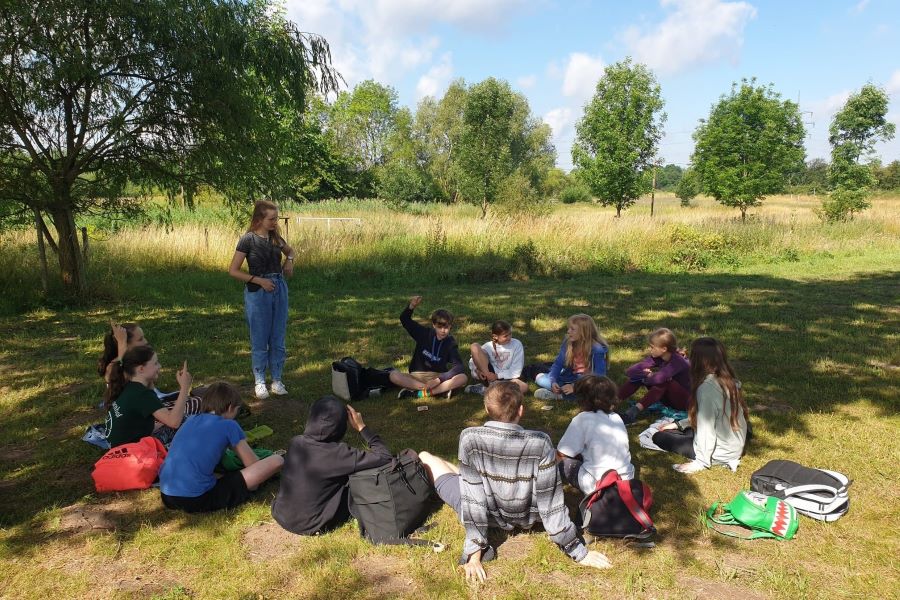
[{"x": 809, "y": 312}]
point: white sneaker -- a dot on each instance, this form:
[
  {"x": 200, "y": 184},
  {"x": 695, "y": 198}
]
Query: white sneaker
[
  {"x": 278, "y": 388},
  {"x": 689, "y": 468},
  {"x": 545, "y": 394},
  {"x": 261, "y": 392}
]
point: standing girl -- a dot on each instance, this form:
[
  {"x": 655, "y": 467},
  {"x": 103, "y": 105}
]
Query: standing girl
[
  {"x": 502, "y": 358},
  {"x": 583, "y": 352},
  {"x": 665, "y": 374},
  {"x": 596, "y": 440},
  {"x": 134, "y": 410},
  {"x": 265, "y": 294},
  {"x": 716, "y": 428}
]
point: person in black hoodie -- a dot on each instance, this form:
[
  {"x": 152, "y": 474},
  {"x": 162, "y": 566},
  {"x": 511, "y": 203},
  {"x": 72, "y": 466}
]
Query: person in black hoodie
[
  {"x": 312, "y": 497},
  {"x": 436, "y": 366}
]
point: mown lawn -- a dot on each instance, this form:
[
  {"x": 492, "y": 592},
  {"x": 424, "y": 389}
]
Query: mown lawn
[{"x": 815, "y": 341}]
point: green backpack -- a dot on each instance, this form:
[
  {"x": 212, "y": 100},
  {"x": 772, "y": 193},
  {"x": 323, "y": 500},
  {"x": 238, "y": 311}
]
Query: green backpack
[{"x": 765, "y": 516}]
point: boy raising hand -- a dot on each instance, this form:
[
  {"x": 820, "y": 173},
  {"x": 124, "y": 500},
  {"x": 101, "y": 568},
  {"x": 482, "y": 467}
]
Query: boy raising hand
[{"x": 436, "y": 366}]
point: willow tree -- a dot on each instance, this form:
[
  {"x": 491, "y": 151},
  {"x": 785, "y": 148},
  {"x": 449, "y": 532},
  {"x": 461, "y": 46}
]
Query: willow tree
[{"x": 165, "y": 92}]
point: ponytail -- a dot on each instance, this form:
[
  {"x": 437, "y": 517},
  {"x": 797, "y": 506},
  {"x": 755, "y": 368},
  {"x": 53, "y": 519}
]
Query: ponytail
[
  {"x": 111, "y": 348},
  {"x": 120, "y": 373}
]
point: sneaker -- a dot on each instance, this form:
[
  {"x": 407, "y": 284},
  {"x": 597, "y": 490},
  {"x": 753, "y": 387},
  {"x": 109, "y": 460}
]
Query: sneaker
[
  {"x": 689, "y": 468},
  {"x": 243, "y": 412},
  {"x": 261, "y": 392},
  {"x": 630, "y": 415},
  {"x": 545, "y": 394},
  {"x": 278, "y": 388},
  {"x": 406, "y": 394},
  {"x": 477, "y": 388}
]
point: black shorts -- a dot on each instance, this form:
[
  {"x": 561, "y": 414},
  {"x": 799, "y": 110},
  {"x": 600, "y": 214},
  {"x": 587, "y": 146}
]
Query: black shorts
[{"x": 229, "y": 491}]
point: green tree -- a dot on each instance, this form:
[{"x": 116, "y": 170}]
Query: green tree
[
  {"x": 94, "y": 94},
  {"x": 499, "y": 138},
  {"x": 439, "y": 125},
  {"x": 668, "y": 177},
  {"x": 749, "y": 145},
  {"x": 854, "y": 131},
  {"x": 688, "y": 187},
  {"x": 362, "y": 122},
  {"x": 617, "y": 138}
]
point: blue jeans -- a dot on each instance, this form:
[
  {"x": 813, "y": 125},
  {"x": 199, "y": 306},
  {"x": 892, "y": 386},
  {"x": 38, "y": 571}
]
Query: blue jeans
[
  {"x": 565, "y": 376},
  {"x": 267, "y": 314}
]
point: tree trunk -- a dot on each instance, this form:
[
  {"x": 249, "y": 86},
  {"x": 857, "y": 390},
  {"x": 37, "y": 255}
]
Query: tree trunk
[
  {"x": 42, "y": 251},
  {"x": 71, "y": 261},
  {"x": 743, "y": 214},
  {"x": 618, "y": 210},
  {"x": 484, "y": 207}
]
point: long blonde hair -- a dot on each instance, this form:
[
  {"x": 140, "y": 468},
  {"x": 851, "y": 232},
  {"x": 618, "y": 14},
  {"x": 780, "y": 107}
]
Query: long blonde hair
[
  {"x": 587, "y": 335},
  {"x": 259, "y": 213}
]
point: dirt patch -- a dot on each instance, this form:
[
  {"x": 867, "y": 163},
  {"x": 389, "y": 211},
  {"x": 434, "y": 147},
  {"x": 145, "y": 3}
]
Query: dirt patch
[
  {"x": 145, "y": 586},
  {"x": 515, "y": 548},
  {"x": 265, "y": 542},
  {"x": 83, "y": 518},
  {"x": 713, "y": 590},
  {"x": 387, "y": 576}
]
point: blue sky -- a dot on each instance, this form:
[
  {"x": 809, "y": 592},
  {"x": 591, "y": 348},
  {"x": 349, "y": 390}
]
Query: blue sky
[{"x": 554, "y": 51}]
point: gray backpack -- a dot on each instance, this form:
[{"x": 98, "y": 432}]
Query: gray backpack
[{"x": 816, "y": 493}]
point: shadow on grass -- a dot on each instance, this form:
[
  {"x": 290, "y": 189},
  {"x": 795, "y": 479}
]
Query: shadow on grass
[{"x": 800, "y": 348}]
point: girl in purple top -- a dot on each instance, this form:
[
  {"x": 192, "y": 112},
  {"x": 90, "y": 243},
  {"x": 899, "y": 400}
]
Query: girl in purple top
[{"x": 665, "y": 373}]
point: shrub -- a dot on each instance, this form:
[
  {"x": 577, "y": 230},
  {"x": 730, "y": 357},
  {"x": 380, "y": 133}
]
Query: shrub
[{"x": 575, "y": 193}]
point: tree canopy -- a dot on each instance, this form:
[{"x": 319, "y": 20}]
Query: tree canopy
[
  {"x": 748, "y": 146},
  {"x": 163, "y": 92},
  {"x": 618, "y": 136}
]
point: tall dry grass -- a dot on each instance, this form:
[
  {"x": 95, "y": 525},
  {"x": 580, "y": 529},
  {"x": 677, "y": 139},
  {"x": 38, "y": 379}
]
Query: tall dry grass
[{"x": 452, "y": 242}]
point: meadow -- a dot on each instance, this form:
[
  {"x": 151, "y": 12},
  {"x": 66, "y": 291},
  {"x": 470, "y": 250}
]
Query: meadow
[{"x": 809, "y": 312}]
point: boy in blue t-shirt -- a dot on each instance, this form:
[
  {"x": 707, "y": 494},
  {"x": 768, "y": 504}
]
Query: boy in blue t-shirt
[{"x": 186, "y": 480}]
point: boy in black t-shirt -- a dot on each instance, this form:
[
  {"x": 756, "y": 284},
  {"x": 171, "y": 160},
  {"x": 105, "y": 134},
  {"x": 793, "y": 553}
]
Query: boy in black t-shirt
[{"x": 436, "y": 366}]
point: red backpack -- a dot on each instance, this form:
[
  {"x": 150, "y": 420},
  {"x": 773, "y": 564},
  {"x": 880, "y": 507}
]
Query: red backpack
[{"x": 132, "y": 466}]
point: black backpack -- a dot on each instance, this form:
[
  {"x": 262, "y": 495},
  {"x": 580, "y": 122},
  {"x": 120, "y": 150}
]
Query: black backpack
[
  {"x": 618, "y": 508},
  {"x": 393, "y": 501},
  {"x": 816, "y": 493},
  {"x": 352, "y": 381}
]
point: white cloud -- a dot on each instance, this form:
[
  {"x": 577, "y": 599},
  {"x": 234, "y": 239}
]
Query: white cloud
[
  {"x": 697, "y": 32},
  {"x": 526, "y": 82},
  {"x": 822, "y": 110},
  {"x": 860, "y": 6},
  {"x": 893, "y": 84},
  {"x": 385, "y": 39},
  {"x": 562, "y": 123},
  {"x": 435, "y": 81},
  {"x": 581, "y": 75}
]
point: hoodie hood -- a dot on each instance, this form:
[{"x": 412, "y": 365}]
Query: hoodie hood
[{"x": 327, "y": 421}]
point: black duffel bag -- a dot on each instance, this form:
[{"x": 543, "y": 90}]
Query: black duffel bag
[{"x": 392, "y": 501}]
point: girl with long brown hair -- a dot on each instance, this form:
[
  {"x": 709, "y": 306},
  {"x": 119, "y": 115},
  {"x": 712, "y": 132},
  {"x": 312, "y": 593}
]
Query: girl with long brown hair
[
  {"x": 716, "y": 428},
  {"x": 265, "y": 294}
]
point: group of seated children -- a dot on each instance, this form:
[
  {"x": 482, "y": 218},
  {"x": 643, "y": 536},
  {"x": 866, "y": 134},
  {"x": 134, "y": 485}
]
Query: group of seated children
[{"x": 508, "y": 477}]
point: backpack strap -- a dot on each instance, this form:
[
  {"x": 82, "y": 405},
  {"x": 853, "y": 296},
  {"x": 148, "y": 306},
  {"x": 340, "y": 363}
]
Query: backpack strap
[
  {"x": 726, "y": 519},
  {"x": 609, "y": 479},
  {"x": 637, "y": 511}
]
